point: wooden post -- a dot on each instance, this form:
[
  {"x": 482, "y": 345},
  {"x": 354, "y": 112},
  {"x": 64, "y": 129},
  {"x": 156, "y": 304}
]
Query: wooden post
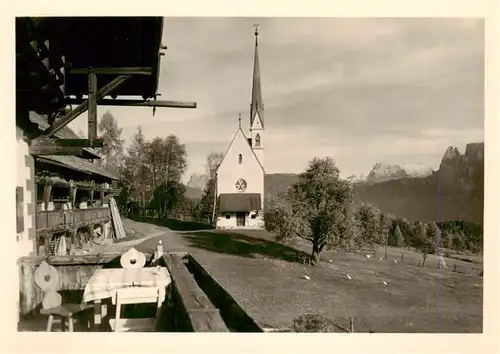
[
  {"x": 386, "y": 244},
  {"x": 159, "y": 251},
  {"x": 351, "y": 325},
  {"x": 103, "y": 233},
  {"x": 91, "y": 198},
  {"x": 48, "y": 237},
  {"x": 47, "y": 242},
  {"x": 454, "y": 268},
  {"x": 72, "y": 194},
  {"x": 37, "y": 240},
  {"x": 74, "y": 232},
  {"x": 102, "y": 195},
  {"x": 402, "y": 257},
  {"x": 72, "y": 198}
]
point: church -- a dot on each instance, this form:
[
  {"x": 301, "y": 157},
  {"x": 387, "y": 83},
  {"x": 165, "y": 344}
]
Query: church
[{"x": 240, "y": 175}]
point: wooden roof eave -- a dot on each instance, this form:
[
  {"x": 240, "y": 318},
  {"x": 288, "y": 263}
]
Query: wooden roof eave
[{"x": 102, "y": 175}]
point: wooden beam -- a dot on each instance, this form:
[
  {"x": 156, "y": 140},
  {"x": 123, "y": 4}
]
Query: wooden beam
[
  {"x": 92, "y": 103},
  {"x": 50, "y": 146},
  {"x": 70, "y": 142},
  {"x": 112, "y": 71},
  {"x": 41, "y": 150},
  {"x": 104, "y": 91},
  {"x": 93, "y": 259},
  {"x": 137, "y": 103}
]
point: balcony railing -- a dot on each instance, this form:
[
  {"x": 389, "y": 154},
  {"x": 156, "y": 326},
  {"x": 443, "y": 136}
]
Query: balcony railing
[{"x": 47, "y": 220}]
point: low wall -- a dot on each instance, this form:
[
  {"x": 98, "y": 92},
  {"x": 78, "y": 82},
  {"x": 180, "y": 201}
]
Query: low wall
[
  {"x": 191, "y": 310},
  {"x": 74, "y": 274},
  {"x": 232, "y": 313}
]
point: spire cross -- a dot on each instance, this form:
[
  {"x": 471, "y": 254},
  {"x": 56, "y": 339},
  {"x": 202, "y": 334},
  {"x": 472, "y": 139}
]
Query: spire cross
[
  {"x": 256, "y": 29},
  {"x": 239, "y": 119}
]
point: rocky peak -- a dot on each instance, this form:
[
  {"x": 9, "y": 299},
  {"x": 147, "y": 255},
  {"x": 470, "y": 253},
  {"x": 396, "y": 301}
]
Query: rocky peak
[
  {"x": 460, "y": 167},
  {"x": 384, "y": 171},
  {"x": 474, "y": 152},
  {"x": 197, "y": 181},
  {"x": 451, "y": 154}
]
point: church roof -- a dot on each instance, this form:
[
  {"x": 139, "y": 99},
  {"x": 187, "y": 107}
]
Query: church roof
[
  {"x": 249, "y": 146},
  {"x": 239, "y": 202},
  {"x": 256, "y": 106}
]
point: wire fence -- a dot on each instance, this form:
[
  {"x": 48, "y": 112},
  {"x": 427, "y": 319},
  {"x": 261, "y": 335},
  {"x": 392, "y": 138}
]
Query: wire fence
[{"x": 409, "y": 257}]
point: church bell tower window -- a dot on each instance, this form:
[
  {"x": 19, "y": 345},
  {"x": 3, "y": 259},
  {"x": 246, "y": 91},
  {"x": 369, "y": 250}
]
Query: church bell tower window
[{"x": 257, "y": 140}]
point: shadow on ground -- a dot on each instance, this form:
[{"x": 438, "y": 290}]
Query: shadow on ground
[
  {"x": 240, "y": 245},
  {"x": 174, "y": 225}
]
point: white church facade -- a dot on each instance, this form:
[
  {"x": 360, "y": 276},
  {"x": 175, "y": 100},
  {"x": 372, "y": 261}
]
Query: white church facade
[{"x": 240, "y": 175}]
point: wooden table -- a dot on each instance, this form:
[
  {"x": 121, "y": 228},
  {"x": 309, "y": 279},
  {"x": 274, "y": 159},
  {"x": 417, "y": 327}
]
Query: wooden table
[{"x": 104, "y": 282}]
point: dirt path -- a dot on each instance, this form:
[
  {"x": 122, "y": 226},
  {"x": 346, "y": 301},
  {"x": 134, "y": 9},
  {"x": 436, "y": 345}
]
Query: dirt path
[
  {"x": 149, "y": 236},
  {"x": 145, "y": 238}
]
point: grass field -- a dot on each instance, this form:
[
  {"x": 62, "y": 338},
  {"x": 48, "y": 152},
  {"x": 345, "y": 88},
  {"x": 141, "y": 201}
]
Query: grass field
[{"x": 263, "y": 276}]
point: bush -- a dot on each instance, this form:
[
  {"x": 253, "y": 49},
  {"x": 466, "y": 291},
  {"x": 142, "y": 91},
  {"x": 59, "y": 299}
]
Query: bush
[{"x": 313, "y": 323}]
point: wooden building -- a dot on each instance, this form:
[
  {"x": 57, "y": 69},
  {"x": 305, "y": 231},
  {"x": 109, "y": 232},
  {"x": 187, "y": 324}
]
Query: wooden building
[
  {"x": 52, "y": 192},
  {"x": 65, "y": 67}
]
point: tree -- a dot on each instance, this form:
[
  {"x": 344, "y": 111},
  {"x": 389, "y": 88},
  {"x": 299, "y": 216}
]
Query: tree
[
  {"x": 286, "y": 224},
  {"x": 316, "y": 208},
  {"x": 206, "y": 205},
  {"x": 407, "y": 229},
  {"x": 167, "y": 161},
  {"x": 448, "y": 241},
  {"x": 457, "y": 242},
  {"x": 112, "y": 150},
  {"x": 431, "y": 240},
  {"x": 151, "y": 174},
  {"x": 418, "y": 233},
  {"x": 426, "y": 236},
  {"x": 399, "y": 239},
  {"x": 136, "y": 171},
  {"x": 174, "y": 158},
  {"x": 155, "y": 152},
  {"x": 214, "y": 159},
  {"x": 384, "y": 225},
  {"x": 167, "y": 197},
  {"x": 367, "y": 226}
]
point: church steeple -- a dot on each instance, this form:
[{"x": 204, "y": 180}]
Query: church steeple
[{"x": 256, "y": 107}]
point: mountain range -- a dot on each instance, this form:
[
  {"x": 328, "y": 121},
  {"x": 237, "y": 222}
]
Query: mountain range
[
  {"x": 382, "y": 172},
  {"x": 454, "y": 192}
]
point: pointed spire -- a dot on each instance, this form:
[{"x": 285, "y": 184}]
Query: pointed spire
[{"x": 256, "y": 107}]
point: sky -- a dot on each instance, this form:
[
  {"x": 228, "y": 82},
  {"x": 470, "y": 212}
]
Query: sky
[{"x": 359, "y": 90}]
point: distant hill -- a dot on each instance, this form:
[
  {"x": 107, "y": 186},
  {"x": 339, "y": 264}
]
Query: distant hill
[
  {"x": 277, "y": 182},
  {"x": 454, "y": 192}
]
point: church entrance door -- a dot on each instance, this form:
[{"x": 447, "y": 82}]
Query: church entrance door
[{"x": 240, "y": 219}]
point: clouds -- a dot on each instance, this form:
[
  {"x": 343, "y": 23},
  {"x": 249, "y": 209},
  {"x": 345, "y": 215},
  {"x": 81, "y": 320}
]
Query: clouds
[{"x": 359, "y": 90}]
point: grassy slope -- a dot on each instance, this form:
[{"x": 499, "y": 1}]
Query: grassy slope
[{"x": 264, "y": 278}]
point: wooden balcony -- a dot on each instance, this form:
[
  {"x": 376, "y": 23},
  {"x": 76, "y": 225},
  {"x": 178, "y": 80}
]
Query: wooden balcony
[{"x": 68, "y": 219}]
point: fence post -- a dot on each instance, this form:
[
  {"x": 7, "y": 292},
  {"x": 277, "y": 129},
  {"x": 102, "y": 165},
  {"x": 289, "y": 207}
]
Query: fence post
[
  {"x": 454, "y": 268},
  {"x": 351, "y": 325}
]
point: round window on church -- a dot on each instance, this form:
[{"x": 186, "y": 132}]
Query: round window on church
[{"x": 241, "y": 185}]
